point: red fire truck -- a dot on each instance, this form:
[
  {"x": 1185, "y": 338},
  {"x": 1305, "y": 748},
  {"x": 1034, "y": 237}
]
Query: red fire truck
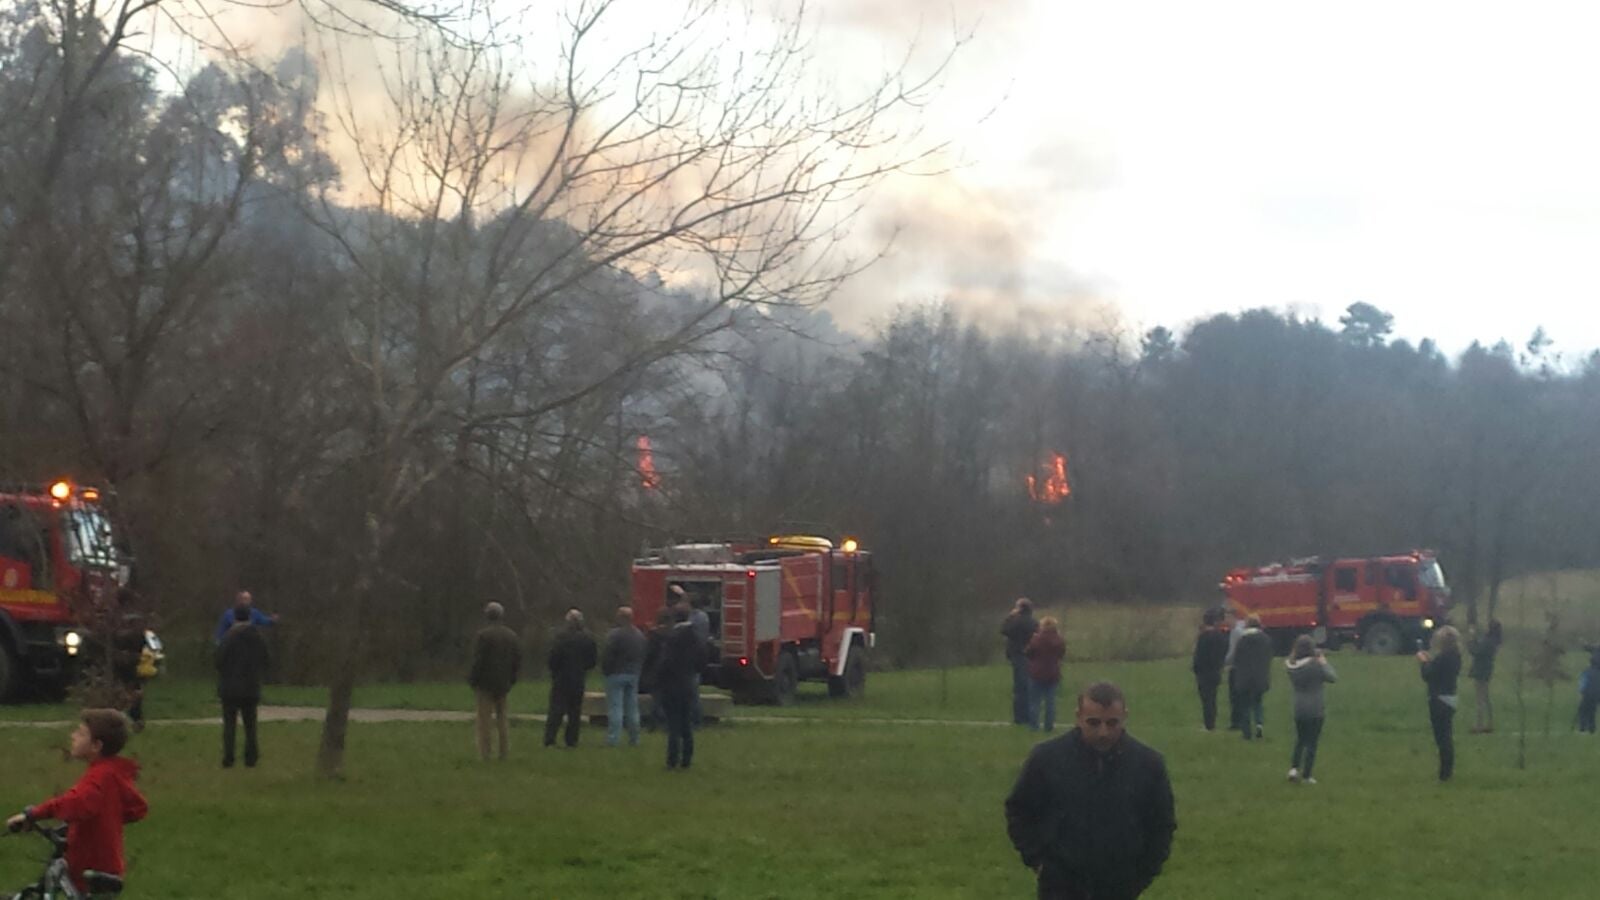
[
  {"x": 783, "y": 610},
  {"x": 61, "y": 574},
  {"x": 1385, "y": 603}
]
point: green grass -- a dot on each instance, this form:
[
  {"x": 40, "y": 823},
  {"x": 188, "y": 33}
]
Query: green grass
[{"x": 835, "y": 808}]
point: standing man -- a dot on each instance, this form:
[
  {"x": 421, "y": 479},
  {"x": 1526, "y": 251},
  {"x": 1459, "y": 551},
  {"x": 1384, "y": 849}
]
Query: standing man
[
  {"x": 1210, "y": 651},
  {"x": 257, "y": 618},
  {"x": 701, "y": 623},
  {"x": 572, "y": 655},
  {"x": 621, "y": 663},
  {"x": 1092, "y": 812},
  {"x": 496, "y": 658},
  {"x": 241, "y": 662},
  {"x": 681, "y": 658},
  {"x": 1018, "y": 629},
  {"x": 1252, "y": 668}
]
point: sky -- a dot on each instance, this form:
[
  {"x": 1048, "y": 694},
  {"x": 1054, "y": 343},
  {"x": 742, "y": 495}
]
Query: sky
[
  {"x": 1152, "y": 163},
  {"x": 1121, "y": 165}
]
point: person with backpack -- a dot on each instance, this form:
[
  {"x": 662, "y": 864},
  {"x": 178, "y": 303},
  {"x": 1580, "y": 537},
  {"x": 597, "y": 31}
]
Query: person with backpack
[{"x": 1309, "y": 670}]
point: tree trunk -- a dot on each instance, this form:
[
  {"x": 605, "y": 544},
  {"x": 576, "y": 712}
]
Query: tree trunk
[{"x": 336, "y": 724}]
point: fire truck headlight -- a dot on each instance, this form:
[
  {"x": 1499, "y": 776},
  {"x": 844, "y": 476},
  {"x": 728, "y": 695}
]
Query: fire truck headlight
[
  {"x": 1427, "y": 623},
  {"x": 72, "y": 640}
]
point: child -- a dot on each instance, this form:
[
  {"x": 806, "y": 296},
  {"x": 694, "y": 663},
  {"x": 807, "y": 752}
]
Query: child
[
  {"x": 1308, "y": 671},
  {"x": 102, "y": 801}
]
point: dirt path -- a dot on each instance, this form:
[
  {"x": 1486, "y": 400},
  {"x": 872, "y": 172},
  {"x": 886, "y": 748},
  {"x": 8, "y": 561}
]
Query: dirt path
[{"x": 365, "y": 716}]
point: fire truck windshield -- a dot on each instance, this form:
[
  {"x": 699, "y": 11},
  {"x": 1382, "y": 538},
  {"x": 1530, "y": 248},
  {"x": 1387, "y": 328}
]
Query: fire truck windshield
[
  {"x": 89, "y": 539},
  {"x": 1429, "y": 573}
]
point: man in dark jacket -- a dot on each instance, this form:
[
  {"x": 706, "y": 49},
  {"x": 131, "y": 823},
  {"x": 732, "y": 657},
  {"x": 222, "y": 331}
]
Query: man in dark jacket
[
  {"x": 1210, "y": 652},
  {"x": 1251, "y": 659},
  {"x": 676, "y": 676},
  {"x": 572, "y": 655},
  {"x": 1092, "y": 812},
  {"x": 1018, "y": 629},
  {"x": 496, "y": 659},
  {"x": 241, "y": 663},
  {"x": 621, "y": 662}
]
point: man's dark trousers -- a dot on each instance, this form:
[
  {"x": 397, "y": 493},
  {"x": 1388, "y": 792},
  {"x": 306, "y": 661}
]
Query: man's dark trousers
[
  {"x": 1020, "y": 714},
  {"x": 232, "y": 711},
  {"x": 566, "y": 702},
  {"x": 1075, "y": 892}
]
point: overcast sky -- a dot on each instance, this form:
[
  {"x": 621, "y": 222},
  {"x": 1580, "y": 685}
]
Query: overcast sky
[{"x": 1162, "y": 161}]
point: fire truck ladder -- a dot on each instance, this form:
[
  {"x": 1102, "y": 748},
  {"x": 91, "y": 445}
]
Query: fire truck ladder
[{"x": 734, "y": 625}]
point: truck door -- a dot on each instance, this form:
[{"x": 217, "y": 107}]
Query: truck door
[{"x": 1346, "y": 592}]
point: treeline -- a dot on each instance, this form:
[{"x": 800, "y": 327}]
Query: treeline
[{"x": 377, "y": 414}]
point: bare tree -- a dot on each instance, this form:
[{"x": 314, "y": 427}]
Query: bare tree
[{"x": 497, "y": 208}]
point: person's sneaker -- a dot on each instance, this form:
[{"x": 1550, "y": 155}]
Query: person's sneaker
[
  {"x": 1294, "y": 774},
  {"x": 1260, "y": 733},
  {"x": 1310, "y": 780}
]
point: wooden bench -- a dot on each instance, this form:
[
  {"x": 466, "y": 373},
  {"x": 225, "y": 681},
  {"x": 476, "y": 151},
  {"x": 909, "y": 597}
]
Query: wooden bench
[{"x": 713, "y": 706}]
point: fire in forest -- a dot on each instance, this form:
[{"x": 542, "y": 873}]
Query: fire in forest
[{"x": 1050, "y": 486}]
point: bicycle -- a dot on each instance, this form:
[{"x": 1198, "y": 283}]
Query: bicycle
[{"x": 56, "y": 881}]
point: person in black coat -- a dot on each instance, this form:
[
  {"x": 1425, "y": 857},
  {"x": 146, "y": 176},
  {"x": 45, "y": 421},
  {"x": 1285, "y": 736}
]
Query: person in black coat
[
  {"x": 1018, "y": 628},
  {"x": 1092, "y": 813},
  {"x": 1441, "y": 667},
  {"x": 677, "y": 675},
  {"x": 572, "y": 655},
  {"x": 1210, "y": 653},
  {"x": 241, "y": 659}
]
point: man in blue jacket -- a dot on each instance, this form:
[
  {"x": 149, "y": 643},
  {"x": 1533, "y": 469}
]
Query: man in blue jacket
[{"x": 257, "y": 618}]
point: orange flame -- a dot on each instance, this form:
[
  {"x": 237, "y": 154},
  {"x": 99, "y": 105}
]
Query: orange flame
[
  {"x": 1054, "y": 487},
  {"x": 648, "y": 477}
]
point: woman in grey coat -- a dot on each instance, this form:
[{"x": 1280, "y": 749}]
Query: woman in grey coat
[{"x": 1309, "y": 670}]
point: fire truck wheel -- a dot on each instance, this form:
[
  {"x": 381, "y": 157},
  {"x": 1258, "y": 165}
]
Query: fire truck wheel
[
  {"x": 787, "y": 681},
  {"x": 1381, "y": 639},
  {"x": 8, "y": 671}
]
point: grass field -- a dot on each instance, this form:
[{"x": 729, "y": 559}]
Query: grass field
[{"x": 829, "y": 805}]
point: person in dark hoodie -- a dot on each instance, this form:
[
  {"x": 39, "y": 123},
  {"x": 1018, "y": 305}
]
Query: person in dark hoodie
[
  {"x": 1309, "y": 670},
  {"x": 241, "y": 664},
  {"x": 1210, "y": 654},
  {"x": 1441, "y": 667},
  {"x": 572, "y": 655},
  {"x": 102, "y": 801},
  {"x": 1092, "y": 812},
  {"x": 1251, "y": 660},
  {"x": 1018, "y": 629}
]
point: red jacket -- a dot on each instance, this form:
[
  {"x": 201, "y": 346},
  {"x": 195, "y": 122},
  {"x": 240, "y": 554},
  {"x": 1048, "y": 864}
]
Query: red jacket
[
  {"x": 95, "y": 810},
  {"x": 1045, "y": 650}
]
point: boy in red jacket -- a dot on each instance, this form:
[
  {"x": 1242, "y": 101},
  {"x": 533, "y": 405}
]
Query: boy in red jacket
[{"x": 102, "y": 801}]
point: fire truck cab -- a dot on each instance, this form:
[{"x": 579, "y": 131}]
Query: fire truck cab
[
  {"x": 61, "y": 574},
  {"x": 783, "y": 610},
  {"x": 1385, "y": 604}
]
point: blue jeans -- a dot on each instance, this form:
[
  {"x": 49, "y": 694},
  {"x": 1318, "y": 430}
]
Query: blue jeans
[
  {"x": 1040, "y": 694},
  {"x": 622, "y": 701},
  {"x": 1020, "y": 683}
]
